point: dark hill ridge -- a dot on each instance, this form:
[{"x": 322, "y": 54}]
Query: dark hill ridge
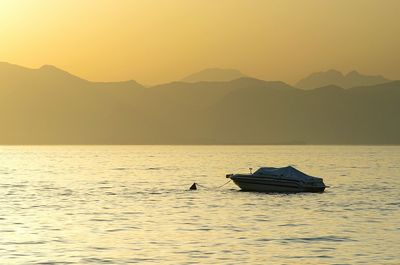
[
  {"x": 48, "y": 74},
  {"x": 50, "y": 106},
  {"x": 334, "y": 77}
]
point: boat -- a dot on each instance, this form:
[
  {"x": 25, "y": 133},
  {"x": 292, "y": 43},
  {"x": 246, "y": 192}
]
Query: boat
[{"x": 271, "y": 179}]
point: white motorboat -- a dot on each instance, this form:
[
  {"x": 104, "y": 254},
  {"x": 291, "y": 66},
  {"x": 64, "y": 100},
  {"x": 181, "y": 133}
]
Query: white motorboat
[{"x": 285, "y": 179}]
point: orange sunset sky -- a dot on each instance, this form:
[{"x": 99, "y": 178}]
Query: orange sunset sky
[{"x": 164, "y": 40}]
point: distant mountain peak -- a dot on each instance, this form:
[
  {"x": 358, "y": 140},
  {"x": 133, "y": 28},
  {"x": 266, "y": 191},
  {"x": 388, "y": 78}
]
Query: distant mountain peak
[
  {"x": 51, "y": 71},
  {"x": 214, "y": 75},
  {"x": 334, "y": 71},
  {"x": 6, "y": 65},
  {"x": 48, "y": 66},
  {"x": 353, "y": 73},
  {"x": 51, "y": 75},
  {"x": 52, "y": 68},
  {"x": 335, "y": 77}
]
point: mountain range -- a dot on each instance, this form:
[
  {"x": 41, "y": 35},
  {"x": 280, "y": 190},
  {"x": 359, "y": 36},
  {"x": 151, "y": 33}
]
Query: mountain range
[
  {"x": 50, "y": 106},
  {"x": 334, "y": 77}
]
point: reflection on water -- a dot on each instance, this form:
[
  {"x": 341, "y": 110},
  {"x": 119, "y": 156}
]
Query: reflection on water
[{"x": 130, "y": 204}]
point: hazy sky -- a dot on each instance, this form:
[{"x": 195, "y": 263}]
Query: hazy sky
[{"x": 154, "y": 41}]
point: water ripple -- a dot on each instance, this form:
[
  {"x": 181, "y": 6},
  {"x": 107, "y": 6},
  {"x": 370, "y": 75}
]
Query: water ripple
[{"x": 131, "y": 205}]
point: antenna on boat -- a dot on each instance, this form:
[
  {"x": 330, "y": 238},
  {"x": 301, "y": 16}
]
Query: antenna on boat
[{"x": 250, "y": 168}]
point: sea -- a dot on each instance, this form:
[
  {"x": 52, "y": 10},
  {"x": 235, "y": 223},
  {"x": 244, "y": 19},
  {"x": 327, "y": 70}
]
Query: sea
[{"x": 132, "y": 205}]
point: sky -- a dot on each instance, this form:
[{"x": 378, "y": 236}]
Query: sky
[{"x": 157, "y": 41}]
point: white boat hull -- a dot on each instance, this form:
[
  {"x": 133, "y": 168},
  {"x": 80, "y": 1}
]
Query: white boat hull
[{"x": 249, "y": 183}]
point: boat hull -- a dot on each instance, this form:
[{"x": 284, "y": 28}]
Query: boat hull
[{"x": 247, "y": 183}]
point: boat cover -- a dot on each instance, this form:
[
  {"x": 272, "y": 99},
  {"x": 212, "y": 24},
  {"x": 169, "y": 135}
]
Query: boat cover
[{"x": 285, "y": 172}]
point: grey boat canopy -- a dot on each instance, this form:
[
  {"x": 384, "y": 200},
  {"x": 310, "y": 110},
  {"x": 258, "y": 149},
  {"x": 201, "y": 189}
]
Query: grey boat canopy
[{"x": 283, "y": 172}]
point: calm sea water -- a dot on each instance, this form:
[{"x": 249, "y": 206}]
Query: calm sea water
[{"x": 131, "y": 204}]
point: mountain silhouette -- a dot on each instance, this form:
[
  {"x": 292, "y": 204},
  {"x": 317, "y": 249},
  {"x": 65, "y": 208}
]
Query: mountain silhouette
[
  {"x": 50, "y": 106},
  {"x": 214, "y": 75},
  {"x": 334, "y": 77}
]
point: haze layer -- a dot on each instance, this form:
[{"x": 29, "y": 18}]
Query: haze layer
[{"x": 159, "y": 41}]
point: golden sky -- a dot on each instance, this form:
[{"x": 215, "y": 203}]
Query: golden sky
[{"x": 155, "y": 41}]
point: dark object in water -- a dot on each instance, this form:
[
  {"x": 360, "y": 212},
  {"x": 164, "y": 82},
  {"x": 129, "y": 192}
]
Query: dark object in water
[
  {"x": 193, "y": 187},
  {"x": 286, "y": 179}
]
